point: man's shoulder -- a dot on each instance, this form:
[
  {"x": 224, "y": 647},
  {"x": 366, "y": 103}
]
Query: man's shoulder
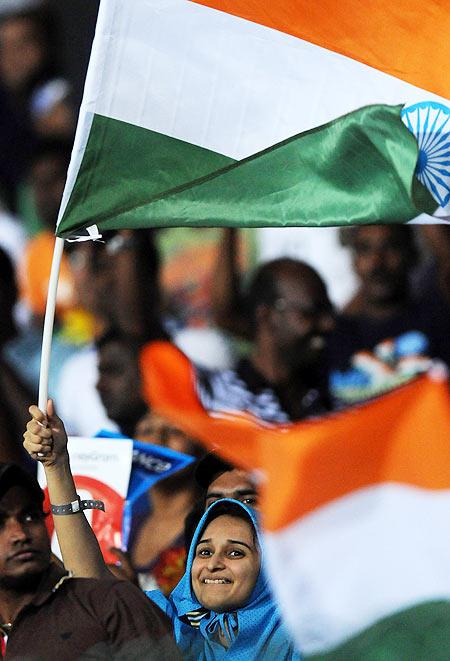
[
  {"x": 239, "y": 389},
  {"x": 92, "y": 618}
]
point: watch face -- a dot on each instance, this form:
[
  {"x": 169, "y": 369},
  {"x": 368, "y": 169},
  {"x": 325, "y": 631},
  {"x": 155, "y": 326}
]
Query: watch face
[{"x": 107, "y": 525}]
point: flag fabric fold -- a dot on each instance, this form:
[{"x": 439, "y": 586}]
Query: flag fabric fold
[
  {"x": 354, "y": 505},
  {"x": 358, "y": 168},
  {"x": 218, "y": 113}
]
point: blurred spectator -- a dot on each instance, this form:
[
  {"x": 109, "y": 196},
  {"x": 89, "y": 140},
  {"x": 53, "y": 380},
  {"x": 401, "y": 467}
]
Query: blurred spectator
[
  {"x": 119, "y": 383},
  {"x": 44, "y": 612},
  {"x": 156, "y": 548},
  {"x": 34, "y": 100},
  {"x": 119, "y": 284},
  {"x": 320, "y": 247},
  {"x": 388, "y": 332},
  {"x": 139, "y": 307},
  {"x": 218, "y": 479},
  {"x": 47, "y": 179},
  {"x": 14, "y": 395},
  {"x": 433, "y": 279},
  {"x": 73, "y": 325},
  {"x": 288, "y": 316},
  {"x": 76, "y": 21}
]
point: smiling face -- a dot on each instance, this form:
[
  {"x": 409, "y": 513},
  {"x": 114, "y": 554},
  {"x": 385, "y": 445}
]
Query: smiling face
[
  {"x": 24, "y": 542},
  {"x": 226, "y": 564}
]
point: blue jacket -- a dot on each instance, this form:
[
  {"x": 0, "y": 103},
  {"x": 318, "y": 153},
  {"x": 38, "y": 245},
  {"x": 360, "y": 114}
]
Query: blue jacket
[{"x": 255, "y": 631}]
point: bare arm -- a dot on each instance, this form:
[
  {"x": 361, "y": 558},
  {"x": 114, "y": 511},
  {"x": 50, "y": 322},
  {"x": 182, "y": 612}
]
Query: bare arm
[
  {"x": 79, "y": 547},
  {"x": 225, "y": 292},
  {"x": 137, "y": 297}
]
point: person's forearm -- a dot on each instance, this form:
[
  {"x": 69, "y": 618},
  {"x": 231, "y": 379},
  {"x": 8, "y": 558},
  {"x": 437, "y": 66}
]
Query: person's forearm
[
  {"x": 136, "y": 290},
  {"x": 79, "y": 546},
  {"x": 225, "y": 287}
]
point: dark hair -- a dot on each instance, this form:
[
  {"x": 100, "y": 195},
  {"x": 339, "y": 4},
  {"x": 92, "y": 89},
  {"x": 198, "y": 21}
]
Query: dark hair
[
  {"x": 210, "y": 466},
  {"x": 403, "y": 234},
  {"x": 264, "y": 289},
  {"x": 13, "y": 474},
  {"x": 228, "y": 508}
]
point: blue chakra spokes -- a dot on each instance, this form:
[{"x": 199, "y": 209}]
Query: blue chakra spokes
[{"x": 430, "y": 123}]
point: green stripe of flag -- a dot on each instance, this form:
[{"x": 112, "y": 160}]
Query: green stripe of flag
[
  {"x": 418, "y": 633},
  {"x": 356, "y": 169}
]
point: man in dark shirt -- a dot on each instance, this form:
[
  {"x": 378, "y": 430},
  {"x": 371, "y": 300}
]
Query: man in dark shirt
[
  {"x": 388, "y": 332},
  {"x": 284, "y": 378},
  {"x": 47, "y": 614}
]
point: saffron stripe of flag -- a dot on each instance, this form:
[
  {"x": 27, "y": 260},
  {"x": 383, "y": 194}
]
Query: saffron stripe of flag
[
  {"x": 391, "y": 37},
  {"x": 176, "y": 91},
  {"x": 354, "y": 508}
]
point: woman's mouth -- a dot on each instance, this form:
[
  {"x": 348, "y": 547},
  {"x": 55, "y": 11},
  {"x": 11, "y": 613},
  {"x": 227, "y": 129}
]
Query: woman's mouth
[{"x": 216, "y": 581}]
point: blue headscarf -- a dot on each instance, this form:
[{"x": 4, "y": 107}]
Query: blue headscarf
[{"x": 254, "y": 631}]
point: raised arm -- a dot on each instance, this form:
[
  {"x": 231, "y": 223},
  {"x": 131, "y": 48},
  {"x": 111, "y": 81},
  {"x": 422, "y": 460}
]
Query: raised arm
[
  {"x": 226, "y": 300},
  {"x": 46, "y": 441},
  {"x": 136, "y": 300}
]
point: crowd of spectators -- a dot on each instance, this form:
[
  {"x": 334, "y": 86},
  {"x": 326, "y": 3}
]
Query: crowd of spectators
[{"x": 275, "y": 346}]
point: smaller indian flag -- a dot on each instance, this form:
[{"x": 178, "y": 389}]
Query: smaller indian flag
[
  {"x": 261, "y": 113},
  {"x": 355, "y": 511}
]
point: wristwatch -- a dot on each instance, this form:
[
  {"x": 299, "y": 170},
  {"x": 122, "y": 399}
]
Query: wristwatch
[{"x": 78, "y": 505}]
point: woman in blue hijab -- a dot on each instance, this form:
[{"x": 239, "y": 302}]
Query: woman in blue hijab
[{"x": 222, "y": 608}]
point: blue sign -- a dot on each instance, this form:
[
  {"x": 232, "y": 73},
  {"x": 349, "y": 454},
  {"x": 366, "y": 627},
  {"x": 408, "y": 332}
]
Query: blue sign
[{"x": 150, "y": 464}]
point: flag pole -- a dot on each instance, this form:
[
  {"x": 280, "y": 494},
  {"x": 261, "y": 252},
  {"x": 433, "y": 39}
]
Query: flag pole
[{"x": 48, "y": 324}]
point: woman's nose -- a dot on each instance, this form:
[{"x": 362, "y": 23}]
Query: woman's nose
[{"x": 215, "y": 562}]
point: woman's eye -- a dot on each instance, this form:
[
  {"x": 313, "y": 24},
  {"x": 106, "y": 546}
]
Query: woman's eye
[
  {"x": 203, "y": 553},
  {"x": 249, "y": 501},
  {"x": 236, "y": 553}
]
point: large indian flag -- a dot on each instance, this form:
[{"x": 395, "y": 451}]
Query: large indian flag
[
  {"x": 261, "y": 113},
  {"x": 355, "y": 510}
]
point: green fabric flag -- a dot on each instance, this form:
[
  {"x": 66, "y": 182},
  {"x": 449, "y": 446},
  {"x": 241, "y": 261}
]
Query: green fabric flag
[
  {"x": 420, "y": 633},
  {"x": 357, "y": 169}
]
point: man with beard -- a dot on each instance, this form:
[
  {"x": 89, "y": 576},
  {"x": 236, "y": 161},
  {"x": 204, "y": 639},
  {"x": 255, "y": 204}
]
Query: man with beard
[
  {"x": 285, "y": 377},
  {"x": 45, "y": 613}
]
